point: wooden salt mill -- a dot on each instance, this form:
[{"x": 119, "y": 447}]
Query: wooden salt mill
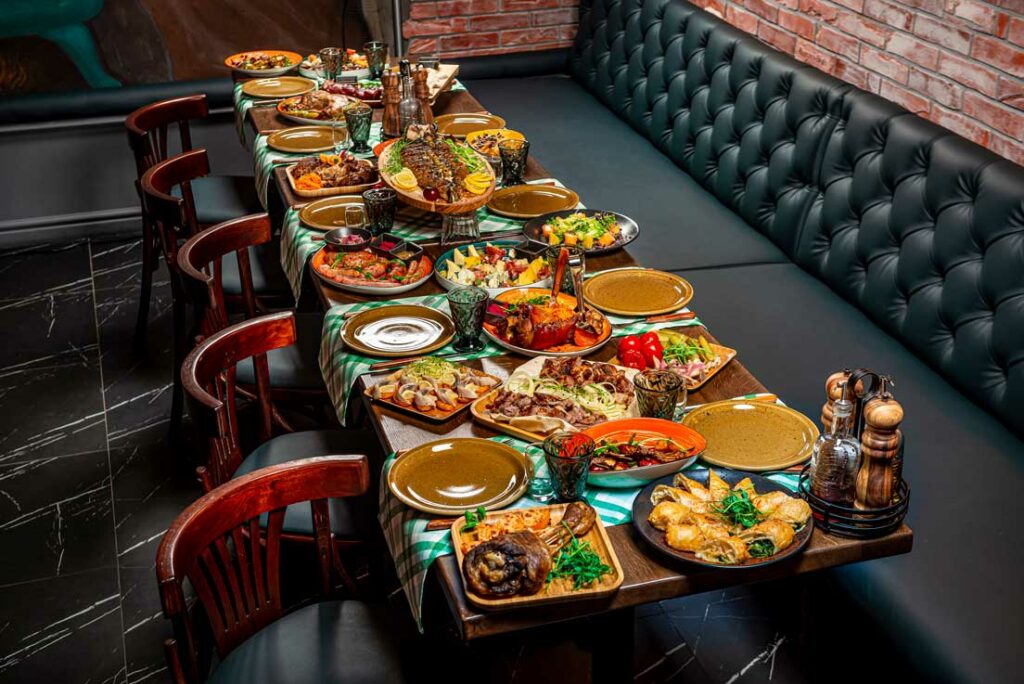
[
  {"x": 392, "y": 95},
  {"x": 881, "y": 468},
  {"x": 835, "y": 385},
  {"x": 422, "y": 91}
]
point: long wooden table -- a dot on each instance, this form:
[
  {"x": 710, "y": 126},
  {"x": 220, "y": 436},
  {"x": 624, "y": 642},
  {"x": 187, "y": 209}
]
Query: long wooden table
[{"x": 647, "y": 577}]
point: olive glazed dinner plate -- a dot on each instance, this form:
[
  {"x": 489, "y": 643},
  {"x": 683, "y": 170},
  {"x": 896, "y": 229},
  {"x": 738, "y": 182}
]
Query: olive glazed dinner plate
[
  {"x": 642, "y": 508},
  {"x": 328, "y": 213},
  {"x": 451, "y": 476},
  {"x": 281, "y": 86},
  {"x": 464, "y": 123},
  {"x": 637, "y": 292},
  {"x": 753, "y": 435},
  {"x": 530, "y": 201},
  {"x": 398, "y": 330},
  {"x": 302, "y": 139}
]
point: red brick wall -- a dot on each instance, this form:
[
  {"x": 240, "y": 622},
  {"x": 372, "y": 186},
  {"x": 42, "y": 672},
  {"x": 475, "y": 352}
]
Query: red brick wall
[
  {"x": 959, "y": 63},
  {"x": 461, "y": 28}
]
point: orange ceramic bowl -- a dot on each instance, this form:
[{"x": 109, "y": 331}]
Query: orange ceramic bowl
[{"x": 644, "y": 427}]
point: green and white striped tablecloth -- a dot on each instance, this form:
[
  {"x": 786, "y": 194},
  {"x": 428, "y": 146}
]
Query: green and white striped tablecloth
[
  {"x": 341, "y": 367},
  {"x": 298, "y": 243},
  {"x": 414, "y": 548}
]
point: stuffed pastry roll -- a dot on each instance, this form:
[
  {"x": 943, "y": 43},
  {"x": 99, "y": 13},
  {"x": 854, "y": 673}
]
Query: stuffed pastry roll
[
  {"x": 718, "y": 487},
  {"x": 747, "y": 486},
  {"x": 692, "y": 486},
  {"x": 684, "y": 537},
  {"x": 792, "y": 511},
  {"x": 767, "y": 503},
  {"x": 680, "y": 496},
  {"x": 767, "y": 538},
  {"x": 711, "y": 527},
  {"x": 669, "y": 513},
  {"x": 728, "y": 551}
]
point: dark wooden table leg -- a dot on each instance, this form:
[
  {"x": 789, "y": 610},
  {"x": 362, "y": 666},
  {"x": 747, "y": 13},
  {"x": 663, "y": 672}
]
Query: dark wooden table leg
[{"x": 611, "y": 646}]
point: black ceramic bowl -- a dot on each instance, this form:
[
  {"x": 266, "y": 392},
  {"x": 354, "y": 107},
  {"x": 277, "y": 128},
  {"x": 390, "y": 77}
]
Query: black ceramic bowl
[{"x": 335, "y": 239}]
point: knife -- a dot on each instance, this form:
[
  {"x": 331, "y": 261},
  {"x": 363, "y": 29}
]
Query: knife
[{"x": 666, "y": 318}]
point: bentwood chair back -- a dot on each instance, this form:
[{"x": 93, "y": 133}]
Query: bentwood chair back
[
  {"x": 208, "y": 376},
  {"x": 173, "y": 218},
  {"x": 149, "y": 129},
  {"x": 232, "y": 561},
  {"x": 200, "y": 262}
]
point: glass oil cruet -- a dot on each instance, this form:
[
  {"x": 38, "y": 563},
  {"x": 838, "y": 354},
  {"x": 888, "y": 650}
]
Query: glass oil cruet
[
  {"x": 836, "y": 457},
  {"x": 410, "y": 109}
]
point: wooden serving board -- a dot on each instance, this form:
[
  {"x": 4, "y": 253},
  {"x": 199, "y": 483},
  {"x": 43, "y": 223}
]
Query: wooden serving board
[
  {"x": 415, "y": 198},
  {"x": 442, "y": 81},
  {"x": 559, "y": 590},
  {"x": 325, "y": 192},
  {"x": 436, "y": 414},
  {"x": 727, "y": 354}
]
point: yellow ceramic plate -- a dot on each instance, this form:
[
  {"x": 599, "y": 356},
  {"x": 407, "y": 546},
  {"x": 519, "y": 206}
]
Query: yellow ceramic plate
[
  {"x": 328, "y": 213},
  {"x": 637, "y": 292},
  {"x": 462, "y": 124},
  {"x": 505, "y": 133},
  {"x": 398, "y": 330},
  {"x": 530, "y": 201},
  {"x": 451, "y": 476},
  {"x": 281, "y": 86},
  {"x": 304, "y": 139},
  {"x": 753, "y": 435}
]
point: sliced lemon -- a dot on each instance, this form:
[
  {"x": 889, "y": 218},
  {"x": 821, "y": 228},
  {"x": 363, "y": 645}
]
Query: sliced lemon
[
  {"x": 477, "y": 183},
  {"x": 405, "y": 179}
]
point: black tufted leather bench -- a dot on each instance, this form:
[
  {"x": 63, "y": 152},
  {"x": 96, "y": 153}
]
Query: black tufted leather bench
[{"x": 824, "y": 227}]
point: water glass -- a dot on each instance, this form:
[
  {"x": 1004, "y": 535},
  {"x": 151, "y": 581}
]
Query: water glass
[
  {"x": 376, "y": 58},
  {"x": 657, "y": 392},
  {"x": 355, "y": 217},
  {"x": 332, "y": 59},
  {"x": 358, "y": 117},
  {"x": 514, "y": 154},
  {"x": 575, "y": 268},
  {"x": 568, "y": 455},
  {"x": 459, "y": 227},
  {"x": 381, "y": 204},
  {"x": 340, "y": 139},
  {"x": 468, "y": 305}
]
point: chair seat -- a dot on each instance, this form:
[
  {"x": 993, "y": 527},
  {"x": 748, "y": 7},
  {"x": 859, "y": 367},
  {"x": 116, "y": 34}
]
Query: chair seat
[
  {"x": 296, "y": 366},
  {"x": 222, "y": 198},
  {"x": 351, "y": 518},
  {"x": 268, "y": 278},
  {"x": 333, "y": 641}
]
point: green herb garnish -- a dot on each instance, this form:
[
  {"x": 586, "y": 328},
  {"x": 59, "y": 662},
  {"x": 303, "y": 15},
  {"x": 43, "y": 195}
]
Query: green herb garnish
[
  {"x": 474, "y": 518},
  {"x": 394, "y": 164},
  {"x": 738, "y": 508},
  {"x": 465, "y": 155},
  {"x": 579, "y": 561},
  {"x": 536, "y": 300},
  {"x": 689, "y": 350},
  {"x": 760, "y": 548}
]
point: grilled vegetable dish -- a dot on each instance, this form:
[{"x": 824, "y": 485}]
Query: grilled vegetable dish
[
  {"x": 332, "y": 171},
  {"x": 493, "y": 267},
  {"x": 631, "y": 450},
  {"x": 432, "y": 383},
  {"x": 693, "y": 358},
  {"x": 439, "y": 167},
  {"x": 587, "y": 231},
  {"x": 368, "y": 268},
  {"x": 724, "y": 525}
]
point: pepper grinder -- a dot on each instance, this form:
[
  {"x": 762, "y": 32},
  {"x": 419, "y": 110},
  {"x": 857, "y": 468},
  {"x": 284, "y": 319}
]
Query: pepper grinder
[
  {"x": 392, "y": 95},
  {"x": 835, "y": 385},
  {"x": 881, "y": 467},
  {"x": 422, "y": 91}
]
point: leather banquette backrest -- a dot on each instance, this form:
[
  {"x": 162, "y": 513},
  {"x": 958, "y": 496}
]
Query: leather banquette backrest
[
  {"x": 743, "y": 120},
  {"x": 921, "y": 229},
  {"x": 924, "y": 231}
]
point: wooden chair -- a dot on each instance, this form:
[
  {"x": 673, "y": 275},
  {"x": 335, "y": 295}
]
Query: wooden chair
[
  {"x": 294, "y": 370},
  {"x": 209, "y": 377},
  {"x": 218, "y": 198},
  {"x": 232, "y": 561}
]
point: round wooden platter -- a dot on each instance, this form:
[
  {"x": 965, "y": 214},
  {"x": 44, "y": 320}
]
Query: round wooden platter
[{"x": 415, "y": 198}]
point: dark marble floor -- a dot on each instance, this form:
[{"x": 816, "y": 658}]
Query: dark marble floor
[{"x": 88, "y": 486}]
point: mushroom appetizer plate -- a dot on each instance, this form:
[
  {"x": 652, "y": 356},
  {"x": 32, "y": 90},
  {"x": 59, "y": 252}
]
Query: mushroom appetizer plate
[{"x": 432, "y": 388}]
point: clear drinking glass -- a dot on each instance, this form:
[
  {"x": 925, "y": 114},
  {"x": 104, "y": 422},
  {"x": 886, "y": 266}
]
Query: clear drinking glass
[
  {"x": 459, "y": 227},
  {"x": 568, "y": 455},
  {"x": 657, "y": 392},
  {"x": 514, "y": 154},
  {"x": 355, "y": 217},
  {"x": 376, "y": 58},
  {"x": 575, "y": 268},
  {"x": 468, "y": 305},
  {"x": 332, "y": 59},
  {"x": 339, "y": 136},
  {"x": 381, "y": 204},
  {"x": 358, "y": 117}
]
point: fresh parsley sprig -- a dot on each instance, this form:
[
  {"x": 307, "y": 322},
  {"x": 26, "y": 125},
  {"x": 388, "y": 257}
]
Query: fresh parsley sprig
[
  {"x": 579, "y": 561},
  {"x": 474, "y": 518},
  {"x": 739, "y": 509}
]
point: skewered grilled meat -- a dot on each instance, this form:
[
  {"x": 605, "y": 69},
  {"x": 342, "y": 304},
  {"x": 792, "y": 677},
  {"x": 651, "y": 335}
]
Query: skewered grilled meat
[{"x": 509, "y": 564}]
